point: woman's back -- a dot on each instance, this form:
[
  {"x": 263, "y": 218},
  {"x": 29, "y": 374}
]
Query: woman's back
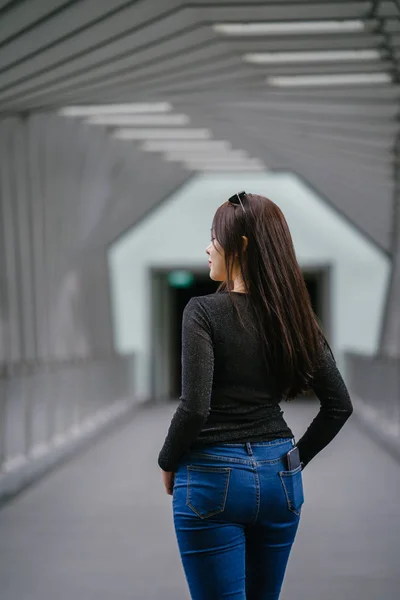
[
  {"x": 228, "y": 395},
  {"x": 244, "y": 402}
]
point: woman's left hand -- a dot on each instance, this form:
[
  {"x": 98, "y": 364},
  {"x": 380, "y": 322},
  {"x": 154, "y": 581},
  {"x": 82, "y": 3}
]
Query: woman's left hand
[{"x": 168, "y": 480}]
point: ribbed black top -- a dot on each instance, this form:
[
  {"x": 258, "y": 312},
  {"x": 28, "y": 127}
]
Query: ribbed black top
[{"x": 227, "y": 395}]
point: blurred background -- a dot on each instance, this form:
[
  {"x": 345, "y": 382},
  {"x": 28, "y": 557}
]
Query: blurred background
[{"x": 123, "y": 126}]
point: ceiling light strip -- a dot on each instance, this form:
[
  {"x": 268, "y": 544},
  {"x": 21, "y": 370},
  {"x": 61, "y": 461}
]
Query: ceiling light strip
[
  {"x": 145, "y": 119},
  {"x": 220, "y": 167},
  {"x": 285, "y": 27},
  {"x": 225, "y": 161},
  {"x": 299, "y": 57},
  {"x": 162, "y": 134},
  {"x": 210, "y": 154},
  {"x": 185, "y": 145},
  {"x": 115, "y": 109},
  {"x": 327, "y": 80}
]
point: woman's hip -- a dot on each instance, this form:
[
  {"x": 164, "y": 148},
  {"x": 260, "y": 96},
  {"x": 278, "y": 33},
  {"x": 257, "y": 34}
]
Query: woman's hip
[{"x": 243, "y": 484}]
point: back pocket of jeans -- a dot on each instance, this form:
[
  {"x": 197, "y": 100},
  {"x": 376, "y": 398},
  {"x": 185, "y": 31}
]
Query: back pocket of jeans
[
  {"x": 207, "y": 489},
  {"x": 292, "y": 482}
]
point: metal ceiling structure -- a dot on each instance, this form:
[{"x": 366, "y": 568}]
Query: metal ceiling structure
[
  {"x": 339, "y": 138},
  {"x": 342, "y": 139}
]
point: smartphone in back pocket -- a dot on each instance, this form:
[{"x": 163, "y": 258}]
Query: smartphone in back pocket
[{"x": 293, "y": 458}]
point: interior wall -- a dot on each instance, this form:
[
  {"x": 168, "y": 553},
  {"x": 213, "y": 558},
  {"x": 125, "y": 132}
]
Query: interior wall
[
  {"x": 390, "y": 341},
  {"x": 177, "y": 236},
  {"x": 66, "y": 190}
]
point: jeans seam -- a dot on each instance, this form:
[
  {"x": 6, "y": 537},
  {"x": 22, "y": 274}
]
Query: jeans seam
[
  {"x": 226, "y": 470},
  {"x": 289, "y": 504},
  {"x": 209, "y": 469},
  {"x": 259, "y": 444},
  {"x": 257, "y": 480},
  {"x": 244, "y": 461}
]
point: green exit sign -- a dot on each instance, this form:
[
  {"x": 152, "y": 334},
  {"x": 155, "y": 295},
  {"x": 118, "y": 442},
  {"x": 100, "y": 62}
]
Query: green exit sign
[{"x": 180, "y": 278}]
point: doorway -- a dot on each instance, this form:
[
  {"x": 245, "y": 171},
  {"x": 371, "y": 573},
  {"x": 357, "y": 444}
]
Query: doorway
[{"x": 168, "y": 303}]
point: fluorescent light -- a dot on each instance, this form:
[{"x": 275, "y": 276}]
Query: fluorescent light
[
  {"x": 162, "y": 134},
  {"x": 114, "y": 109},
  {"x": 344, "y": 79},
  {"x": 118, "y": 120},
  {"x": 211, "y": 154},
  {"x": 222, "y": 167},
  {"x": 295, "y": 57},
  {"x": 289, "y": 27},
  {"x": 239, "y": 162},
  {"x": 185, "y": 145}
]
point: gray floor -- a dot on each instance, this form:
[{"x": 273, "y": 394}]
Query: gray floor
[{"x": 100, "y": 528}]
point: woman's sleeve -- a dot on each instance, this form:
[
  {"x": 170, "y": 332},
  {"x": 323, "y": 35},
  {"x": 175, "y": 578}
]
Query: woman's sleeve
[
  {"x": 335, "y": 407},
  {"x": 197, "y": 378}
]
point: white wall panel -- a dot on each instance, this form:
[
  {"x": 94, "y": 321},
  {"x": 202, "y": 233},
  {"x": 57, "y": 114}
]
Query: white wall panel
[
  {"x": 390, "y": 340},
  {"x": 66, "y": 191}
]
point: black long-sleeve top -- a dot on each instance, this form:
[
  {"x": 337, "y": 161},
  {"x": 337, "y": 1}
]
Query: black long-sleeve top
[{"x": 226, "y": 393}]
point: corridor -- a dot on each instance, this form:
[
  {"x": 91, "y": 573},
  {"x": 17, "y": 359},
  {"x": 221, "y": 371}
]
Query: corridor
[{"x": 100, "y": 527}]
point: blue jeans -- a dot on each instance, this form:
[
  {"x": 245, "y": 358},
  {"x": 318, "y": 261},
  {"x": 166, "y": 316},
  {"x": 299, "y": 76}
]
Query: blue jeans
[{"x": 236, "y": 511}]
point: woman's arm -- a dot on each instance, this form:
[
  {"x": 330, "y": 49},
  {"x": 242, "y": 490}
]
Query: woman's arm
[
  {"x": 336, "y": 408},
  {"x": 197, "y": 378}
]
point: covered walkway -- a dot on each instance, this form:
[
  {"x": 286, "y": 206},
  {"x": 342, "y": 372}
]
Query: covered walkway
[
  {"x": 111, "y": 112},
  {"x": 100, "y": 527}
]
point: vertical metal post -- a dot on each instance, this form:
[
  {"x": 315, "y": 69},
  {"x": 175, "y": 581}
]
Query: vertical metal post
[{"x": 3, "y": 399}]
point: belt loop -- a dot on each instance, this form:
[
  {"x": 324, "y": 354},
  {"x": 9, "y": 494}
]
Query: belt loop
[{"x": 249, "y": 448}]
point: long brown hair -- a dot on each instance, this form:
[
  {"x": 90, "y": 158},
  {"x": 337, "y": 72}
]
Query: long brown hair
[{"x": 278, "y": 296}]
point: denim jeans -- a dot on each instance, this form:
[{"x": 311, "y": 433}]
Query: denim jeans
[{"x": 236, "y": 511}]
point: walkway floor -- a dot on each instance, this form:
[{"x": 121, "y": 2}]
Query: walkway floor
[{"x": 100, "y": 528}]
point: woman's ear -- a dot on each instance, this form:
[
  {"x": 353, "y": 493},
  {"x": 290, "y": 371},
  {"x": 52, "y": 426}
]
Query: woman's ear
[{"x": 246, "y": 241}]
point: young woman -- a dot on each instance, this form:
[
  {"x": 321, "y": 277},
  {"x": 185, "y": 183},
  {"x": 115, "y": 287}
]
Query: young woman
[{"x": 230, "y": 460}]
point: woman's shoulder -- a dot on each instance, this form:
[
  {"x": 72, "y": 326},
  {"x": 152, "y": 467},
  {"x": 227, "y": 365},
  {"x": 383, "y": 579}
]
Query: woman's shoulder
[
  {"x": 207, "y": 303},
  {"x": 208, "y": 300}
]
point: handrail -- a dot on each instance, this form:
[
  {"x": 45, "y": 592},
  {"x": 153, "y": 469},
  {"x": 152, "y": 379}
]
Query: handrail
[{"x": 43, "y": 400}]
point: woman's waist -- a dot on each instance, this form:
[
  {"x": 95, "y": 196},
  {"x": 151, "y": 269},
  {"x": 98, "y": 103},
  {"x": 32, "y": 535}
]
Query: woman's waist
[
  {"x": 233, "y": 428},
  {"x": 228, "y": 405},
  {"x": 267, "y": 451}
]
